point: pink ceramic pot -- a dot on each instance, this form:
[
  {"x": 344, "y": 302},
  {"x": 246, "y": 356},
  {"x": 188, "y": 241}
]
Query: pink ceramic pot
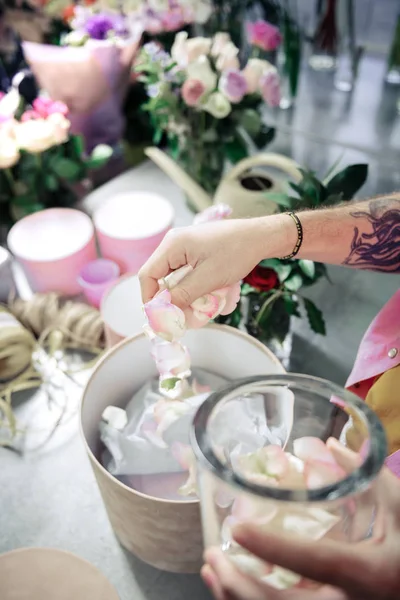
[
  {"x": 130, "y": 226},
  {"x": 52, "y": 246}
]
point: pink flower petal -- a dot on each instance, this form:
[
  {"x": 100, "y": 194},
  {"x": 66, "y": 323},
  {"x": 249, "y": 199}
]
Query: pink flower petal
[
  {"x": 164, "y": 318},
  {"x": 198, "y": 388},
  {"x": 319, "y": 474},
  {"x": 172, "y": 358},
  {"x": 183, "y": 454},
  {"x": 232, "y": 297},
  {"x": 149, "y": 431},
  {"x": 312, "y": 448},
  {"x": 208, "y": 305},
  {"x": 276, "y": 461}
]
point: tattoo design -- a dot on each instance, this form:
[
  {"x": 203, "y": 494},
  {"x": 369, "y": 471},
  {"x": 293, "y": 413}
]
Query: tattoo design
[{"x": 380, "y": 249}]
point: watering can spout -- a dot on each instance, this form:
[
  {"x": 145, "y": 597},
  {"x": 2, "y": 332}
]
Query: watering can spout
[{"x": 199, "y": 198}]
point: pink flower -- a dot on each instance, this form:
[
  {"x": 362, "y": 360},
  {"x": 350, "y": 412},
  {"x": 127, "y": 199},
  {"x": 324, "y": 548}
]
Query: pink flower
[
  {"x": 29, "y": 115},
  {"x": 232, "y": 297},
  {"x": 184, "y": 455},
  {"x": 45, "y": 107},
  {"x": 264, "y": 35},
  {"x": 172, "y": 20},
  {"x": 192, "y": 91},
  {"x": 233, "y": 85},
  {"x": 166, "y": 320},
  {"x": 270, "y": 88},
  {"x": 216, "y": 212}
]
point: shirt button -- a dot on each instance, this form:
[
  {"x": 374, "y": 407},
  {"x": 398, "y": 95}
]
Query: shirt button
[{"x": 392, "y": 353}]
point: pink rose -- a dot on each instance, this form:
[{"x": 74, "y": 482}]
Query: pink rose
[
  {"x": 173, "y": 20},
  {"x": 192, "y": 90},
  {"x": 264, "y": 35},
  {"x": 45, "y": 107},
  {"x": 172, "y": 358},
  {"x": 270, "y": 88},
  {"x": 233, "y": 85},
  {"x": 29, "y": 115}
]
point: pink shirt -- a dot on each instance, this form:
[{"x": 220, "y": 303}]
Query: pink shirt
[{"x": 379, "y": 351}]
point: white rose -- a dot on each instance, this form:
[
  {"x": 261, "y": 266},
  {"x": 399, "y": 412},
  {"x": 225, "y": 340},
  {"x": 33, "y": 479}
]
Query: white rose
[
  {"x": 255, "y": 68},
  {"x": 228, "y": 58},
  {"x": 196, "y": 47},
  {"x": 178, "y": 50},
  {"x": 220, "y": 40},
  {"x": 60, "y": 126},
  {"x": 201, "y": 70},
  {"x": 35, "y": 136},
  {"x": 9, "y": 154},
  {"x": 217, "y": 105},
  {"x": 202, "y": 11}
]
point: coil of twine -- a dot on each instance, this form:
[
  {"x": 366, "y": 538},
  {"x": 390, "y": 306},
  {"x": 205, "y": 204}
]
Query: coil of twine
[{"x": 22, "y": 322}]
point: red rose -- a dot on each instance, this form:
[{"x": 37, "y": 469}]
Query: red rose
[{"x": 262, "y": 279}]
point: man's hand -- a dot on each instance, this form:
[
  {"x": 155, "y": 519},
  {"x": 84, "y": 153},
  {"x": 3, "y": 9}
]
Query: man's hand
[{"x": 368, "y": 570}]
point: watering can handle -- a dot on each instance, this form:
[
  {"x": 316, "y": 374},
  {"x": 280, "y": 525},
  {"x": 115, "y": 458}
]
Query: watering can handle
[
  {"x": 267, "y": 159},
  {"x": 199, "y": 198}
]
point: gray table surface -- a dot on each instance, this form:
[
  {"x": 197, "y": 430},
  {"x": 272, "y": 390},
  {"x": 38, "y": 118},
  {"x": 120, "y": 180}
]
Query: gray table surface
[{"x": 51, "y": 499}]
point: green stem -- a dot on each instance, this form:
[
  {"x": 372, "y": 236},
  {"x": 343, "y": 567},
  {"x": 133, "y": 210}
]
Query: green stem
[{"x": 267, "y": 304}]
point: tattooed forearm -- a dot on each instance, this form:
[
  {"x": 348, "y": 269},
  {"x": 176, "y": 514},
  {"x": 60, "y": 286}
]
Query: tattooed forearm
[{"x": 378, "y": 248}]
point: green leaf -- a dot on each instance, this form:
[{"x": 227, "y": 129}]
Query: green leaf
[
  {"x": 311, "y": 191},
  {"x": 170, "y": 383},
  {"x": 332, "y": 169},
  {"x": 78, "y": 146},
  {"x": 291, "y": 306},
  {"x": 272, "y": 263},
  {"x": 65, "y": 168},
  {"x": 348, "y": 181},
  {"x": 308, "y": 268},
  {"x": 236, "y": 150},
  {"x": 99, "y": 157},
  {"x": 264, "y": 136},
  {"x": 247, "y": 289},
  {"x": 333, "y": 199},
  {"x": 315, "y": 317},
  {"x": 51, "y": 182},
  {"x": 251, "y": 122},
  {"x": 294, "y": 283},
  {"x": 280, "y": 199}
]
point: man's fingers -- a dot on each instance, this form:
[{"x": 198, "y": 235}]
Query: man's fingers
[
  {"x": 235, "y": 584},
  {"x": 193, "y": 286},
  {"x": 325, "y": 561}
]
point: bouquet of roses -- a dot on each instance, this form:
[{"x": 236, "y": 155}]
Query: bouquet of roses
[
  {"x": 205, "y": 103},
  {"x": 39, "y": 159}
]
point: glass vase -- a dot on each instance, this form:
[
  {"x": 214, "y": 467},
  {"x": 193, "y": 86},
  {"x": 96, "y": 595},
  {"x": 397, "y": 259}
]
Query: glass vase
[
  {"x": 393, "y": 72},
  {"x": 324, "y": 52},
  {"x": 289, "y": 57},
  {"x": 261, "y": 466},
  {"x": 203, "y": 162}
]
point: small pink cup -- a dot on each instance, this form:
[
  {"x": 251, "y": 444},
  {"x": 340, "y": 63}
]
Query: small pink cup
[
  {"x": 96, "y": 278},
  {"x": 52, "y": 246},
  {"x": 130, "y": 226}
]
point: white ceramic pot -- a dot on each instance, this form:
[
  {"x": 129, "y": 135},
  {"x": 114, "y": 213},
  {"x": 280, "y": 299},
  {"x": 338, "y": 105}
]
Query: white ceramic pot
[{"x": 163, "y": 533}]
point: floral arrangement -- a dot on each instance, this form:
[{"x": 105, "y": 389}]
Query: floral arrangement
[
  {"x": 272, "y": 293},
  {"x": 39, "y": 159},
  {"x": 205, "y": 103}
]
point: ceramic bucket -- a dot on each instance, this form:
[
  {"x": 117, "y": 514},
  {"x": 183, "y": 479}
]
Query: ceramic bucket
[{"x": 163, "y": 533}]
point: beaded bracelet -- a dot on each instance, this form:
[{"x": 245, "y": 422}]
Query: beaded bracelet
[{"x": 299, "y": 236}]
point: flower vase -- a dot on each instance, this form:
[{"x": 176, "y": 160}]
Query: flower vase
[
  {"x": 289, "y": 59},
  {"x": 393, "y": 73},
  {"x": 324, "y": 53},
  {"x": 203, "y": 162}
]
